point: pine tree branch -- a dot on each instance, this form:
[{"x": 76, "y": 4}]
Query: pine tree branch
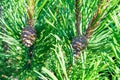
[
  {"x": 30, "y": 56},
  {"x": 96, "y": 18},
  {"x": 77, "y": 17},
  {"x": 30, "y": 11}
]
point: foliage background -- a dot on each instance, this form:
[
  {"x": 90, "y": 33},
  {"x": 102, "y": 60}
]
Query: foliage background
[{"x": 52, "y": 53}]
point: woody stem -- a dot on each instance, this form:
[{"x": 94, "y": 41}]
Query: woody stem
[{"x": 77, "y": 17}]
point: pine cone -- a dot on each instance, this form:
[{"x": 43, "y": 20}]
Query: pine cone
[
  {"x": 28, "y": 36},
  {"x": 79, "y": 43}
]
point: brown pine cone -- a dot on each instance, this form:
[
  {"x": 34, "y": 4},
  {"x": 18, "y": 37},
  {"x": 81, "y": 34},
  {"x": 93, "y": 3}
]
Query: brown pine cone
[
  {"x": 79, "y": 43},
  {"x": 28, "y": 36}
]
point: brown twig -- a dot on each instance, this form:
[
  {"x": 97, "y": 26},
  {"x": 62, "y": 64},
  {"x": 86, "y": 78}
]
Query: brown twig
[
  {"x": 30, "y": 11},
  {"x": 77, "y": 17},
  {"x": 96, "y": 18},
  {"x": 94, "y": 22}
]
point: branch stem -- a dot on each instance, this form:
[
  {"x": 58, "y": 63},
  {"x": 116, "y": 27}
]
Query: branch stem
[{"x": 77, "y": 17}]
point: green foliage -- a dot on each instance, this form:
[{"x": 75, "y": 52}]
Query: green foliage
[{"x": 52, "y": 53}]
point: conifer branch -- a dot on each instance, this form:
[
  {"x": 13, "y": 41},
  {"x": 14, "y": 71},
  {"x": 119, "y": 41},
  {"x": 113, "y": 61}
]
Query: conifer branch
[
  {"x": 30, "y": 56},
  {"x": 96, "y": 18},
  {"x": 77, "y": 17},
  {"x": 30, "y": 11}
]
